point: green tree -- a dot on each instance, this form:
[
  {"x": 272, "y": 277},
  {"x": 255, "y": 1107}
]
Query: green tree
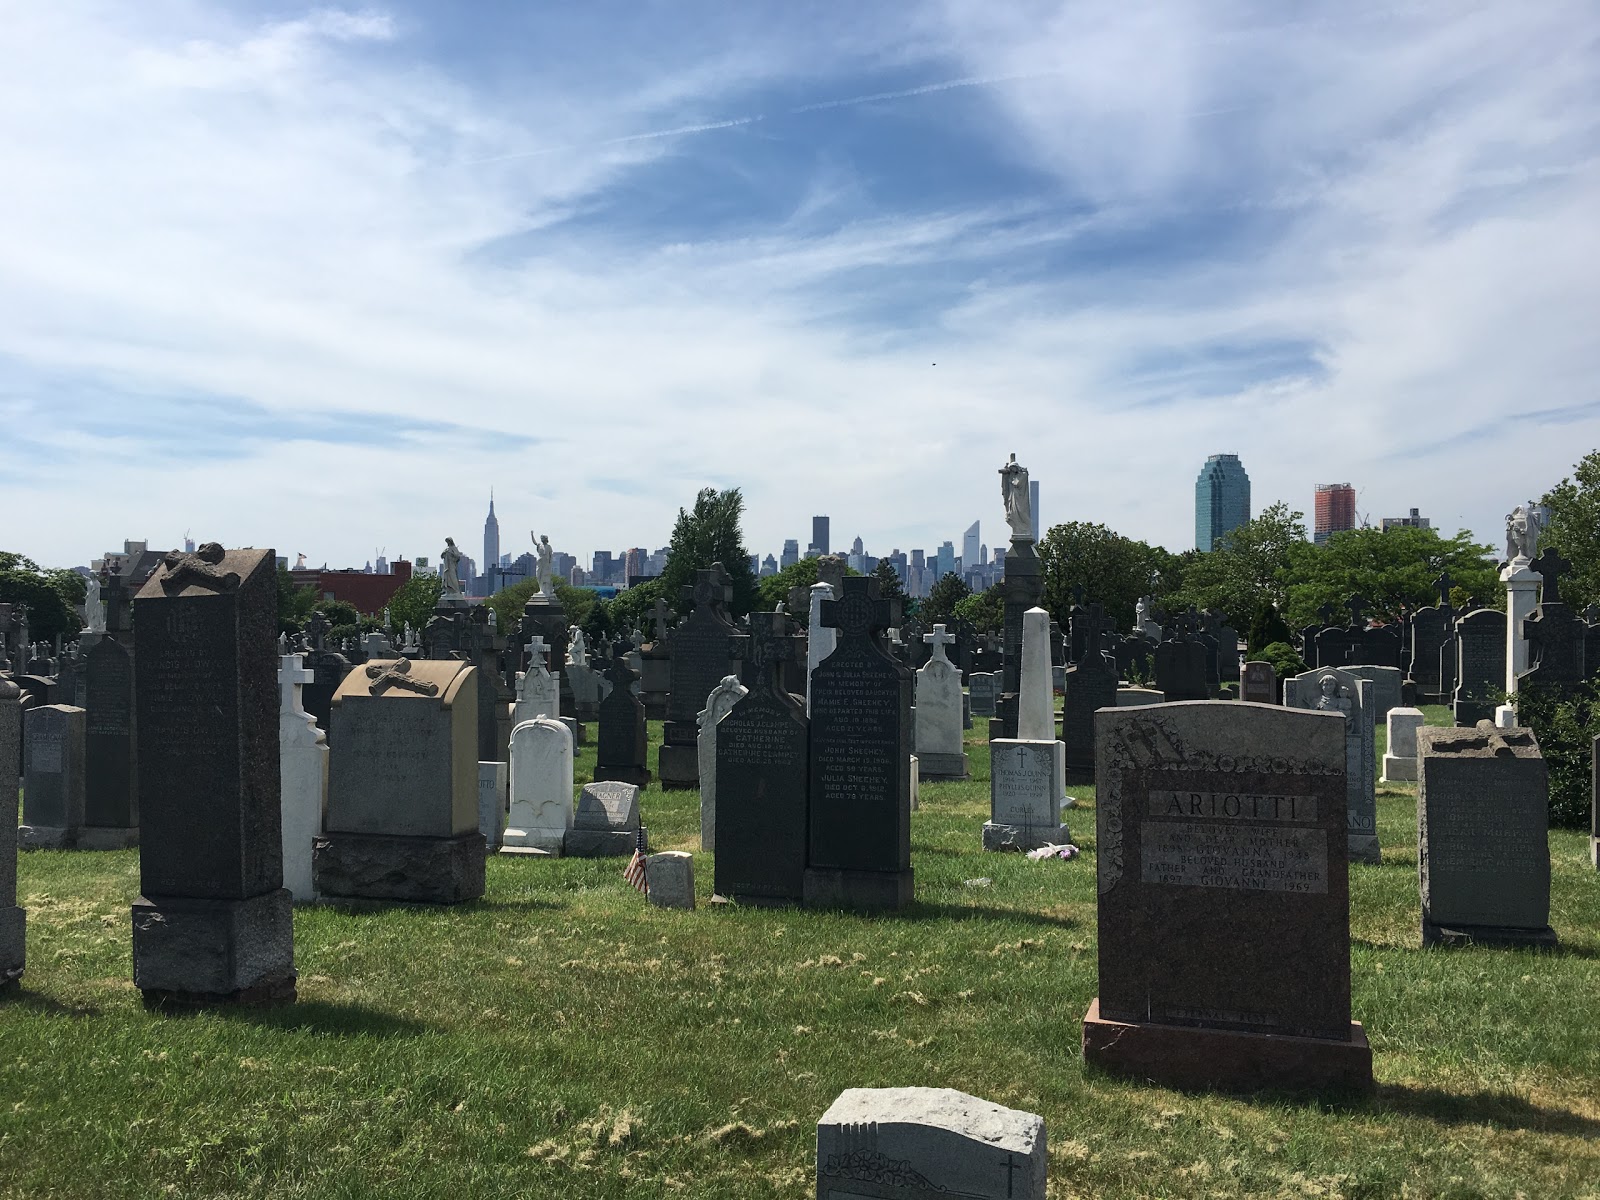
[
  {"x": 1251, "y": 566},
  {"x": 509, "y": 602},
  {"x": 1574, "y": 529},
  {"x": 633, "y": 609},
  {"x": 889, "y": 585},
  {"x": 1112, "y": 569},
  {"x": 709, "y": 533},
  {"x": 1393, "y": 570},
  {"x": 1267, "y": 629},
  {"x": 1566, "y": 724},
  {"x": 939, "y": 605},
  {"x": 414, "y": 603},
  {"x": 53, "y": 598},
  {"x": 294, "y": 602},
  {"x": 1285, "y": 662},
  {"x": 986, "y": 610},
  {"x": 773, "y": 590}
]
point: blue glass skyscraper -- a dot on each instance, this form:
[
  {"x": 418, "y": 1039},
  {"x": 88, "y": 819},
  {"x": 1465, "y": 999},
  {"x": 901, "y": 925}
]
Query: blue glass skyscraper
[{"x": 1221, "y": 499}]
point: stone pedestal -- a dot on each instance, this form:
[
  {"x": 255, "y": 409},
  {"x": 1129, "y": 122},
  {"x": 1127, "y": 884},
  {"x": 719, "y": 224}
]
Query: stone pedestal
[
  {"x": 194, "y": 952},
  {"x": 1522, "y": 597},
  {"x": 429, "y": 870},
  {"x": 1022, "y": 587},
  {"x": 1026, "y": 795},
  {"x": 679, "y": 761},
  {"x": 1400, "y": 759}
]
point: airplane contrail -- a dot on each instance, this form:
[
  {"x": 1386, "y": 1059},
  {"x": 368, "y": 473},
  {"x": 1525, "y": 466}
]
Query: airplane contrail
[{"x": 799, "y": 110}]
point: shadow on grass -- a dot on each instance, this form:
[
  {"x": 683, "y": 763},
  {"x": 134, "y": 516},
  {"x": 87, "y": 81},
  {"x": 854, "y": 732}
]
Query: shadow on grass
[
  {"x": 22, "y": 998},
  {"x": 1481, "y": 1108},
  {"x": 323, "y": 1017},
  {"x": 924, "y": 910}
]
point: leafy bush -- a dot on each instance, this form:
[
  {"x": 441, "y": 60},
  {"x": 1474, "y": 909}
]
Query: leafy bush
[{"x": 1566, "y": 725}]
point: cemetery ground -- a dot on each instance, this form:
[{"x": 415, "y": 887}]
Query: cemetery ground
[{"x": 562, "y": 1038}]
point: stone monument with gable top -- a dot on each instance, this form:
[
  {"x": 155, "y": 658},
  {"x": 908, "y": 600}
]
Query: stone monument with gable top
[
  {"x": 13, "y": 920},
  {"x": 1483, "y": 849},
  {"x": 1027, "y": 774},
  {"x": 920, "y": 1141},
  {"x": 1386, "y": 684},
  {"x": 938, "y": 744},
  {"x": 702, "y": 653},
  {"x": 303, "y": 769},
  {"x": 622, "y": 743},
  {"x": 403, "y": 786},
  {"x": 1221, "y": 840},
  {"x": 1330, "y": 689},
  {"x": 860, "y": 761},
  {"x": 1480, "y": 664},
  {"x": 541, "y": 787},
  {"x": 111, "y": 765},
  {"x": 538, "y": 691},
  {"x": 718, "y": 705},
  {"x": 1426, "y": 632},
  {"x": 761, "y": 778},
  {"x": 53, "y": 770},
  {"x": 213, "y": 923}
]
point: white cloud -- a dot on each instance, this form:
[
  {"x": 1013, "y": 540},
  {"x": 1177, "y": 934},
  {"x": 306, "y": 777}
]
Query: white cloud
[{"x": 313, "y": 213}]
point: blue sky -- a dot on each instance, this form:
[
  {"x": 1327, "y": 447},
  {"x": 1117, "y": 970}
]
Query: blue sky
[{"x": 316, "y": 277}]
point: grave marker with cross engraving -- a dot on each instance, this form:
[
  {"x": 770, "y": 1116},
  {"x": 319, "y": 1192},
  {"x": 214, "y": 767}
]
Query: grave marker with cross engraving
[{"x": 940, "y": 754}]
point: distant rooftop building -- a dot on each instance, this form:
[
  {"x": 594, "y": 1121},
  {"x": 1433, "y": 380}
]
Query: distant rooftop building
[
  {"x": 1412, "y": 521},
  {"x": 1335, "y": 511},
  {"x": 819, "y": 534},
  {"x": 1221, "y": 500},
  {"x": 791, "y": 553}
]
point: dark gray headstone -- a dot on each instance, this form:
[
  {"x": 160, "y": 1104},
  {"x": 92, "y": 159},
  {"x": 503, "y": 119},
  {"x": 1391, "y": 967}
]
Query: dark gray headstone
[
  {"x": 621, "y": 742},
  {"x": 53, "y": 798},
  {"x": 13, "y": 934},
  {"x": 1480, "y": 664},
  {"x": 1090, "y": 685},
  {"x": 762, "y": 792},
  {"x": 1181, "y": 670},
  {"x": 111, "y": 777},
  {"x": 702, "y": 655}
]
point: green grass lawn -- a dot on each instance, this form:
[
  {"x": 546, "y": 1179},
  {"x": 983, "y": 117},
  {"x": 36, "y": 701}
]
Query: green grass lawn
[{"x": 561, "y": 1038}]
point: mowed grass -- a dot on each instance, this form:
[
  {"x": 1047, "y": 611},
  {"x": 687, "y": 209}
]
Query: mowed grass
[{"x": 561, "y": 1038}]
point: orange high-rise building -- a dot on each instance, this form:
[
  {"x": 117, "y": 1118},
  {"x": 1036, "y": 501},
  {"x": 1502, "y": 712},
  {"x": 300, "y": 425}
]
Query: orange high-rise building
[{"x": 1335, "y": 511}]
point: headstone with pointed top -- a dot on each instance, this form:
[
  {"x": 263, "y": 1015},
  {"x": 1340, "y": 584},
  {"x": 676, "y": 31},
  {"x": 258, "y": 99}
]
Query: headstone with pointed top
[
  {"x": 721, "y": 701},
  {"x": 860, "y": 760},
  {"x": 303, "y": 766},
  {"x": 1480, "y": 642},
  {"x": 1329, "y": 689},
  {"x": 111, "y": 776},
  {"x": 938, "y": 744},
  {"x": 213, "y": 923},
  {"x": 1027, "y": 774},
  {"x": 621, "y": 745},
  {"x": 541, "y": 787},
  {"x": 702, "y": 653},
  {"x": 402, "y": 819},
  {"x": 1091, "y": 684},
  {"x": 761, "y": 778}
]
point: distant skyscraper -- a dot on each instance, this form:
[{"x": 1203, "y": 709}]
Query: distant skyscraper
[
  {"x": 945, "y": 562},
  {"x": 791, "y": 553},
  {"x": 1221, "y": 500},
  {"x": 769, "y": 565},
  {"x": 1033, "y": 505},
  {"x": 1335, "y": 511},
  {"x": 971, "y": 549},
  {"x": 491, "y": 549},
  {"x": 819, "y": 534},
  {"x": 634, "y": 564}
]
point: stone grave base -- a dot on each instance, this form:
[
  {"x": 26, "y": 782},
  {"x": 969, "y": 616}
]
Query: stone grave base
[
  {"x": 432, "y": 870},
  {"x": 942, "y": 767},
  {"x": 194, "y": 952},
  {"x": 599, "y": 843},
  {"x": 1186, "y": 1056},
  {"x": 638, "y": 776},
  {"x": 1399, "y": 769},
  {"x": 1079, "y": 774},
  {"x": 530, "y": 851},
  {"x": 531, "y": 841},
  {"x": 1023, "y": 837},
  {"x": 45, "y": 837},
  {"x": 679, "y": 766},
  {"x": 832, "y": 887},
  {"x": 1486, "y": 935},
  {"x": 1363, "y": 848},
  {"x": 106, "y": 837},
  {"x": 13, "y": 944}
]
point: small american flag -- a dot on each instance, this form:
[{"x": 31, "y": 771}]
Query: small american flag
[{"x": 634, "y": 873}]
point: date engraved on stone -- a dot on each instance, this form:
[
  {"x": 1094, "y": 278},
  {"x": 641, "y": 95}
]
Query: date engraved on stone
[{"x": 1249, "y": 858}]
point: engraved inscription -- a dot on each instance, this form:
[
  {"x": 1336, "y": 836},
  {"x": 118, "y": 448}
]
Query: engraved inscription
[
  {"x": 1471, "y": 829},
  {"x": 108, "y": 694},
  {"x": 1250, "y": 858},
  {"x": 45, "y": 745},
  {"x": 1242, "y": 805}
]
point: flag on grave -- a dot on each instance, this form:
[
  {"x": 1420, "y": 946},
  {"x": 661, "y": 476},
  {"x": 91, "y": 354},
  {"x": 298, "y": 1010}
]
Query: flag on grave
[{"x": 634, "y": 872}]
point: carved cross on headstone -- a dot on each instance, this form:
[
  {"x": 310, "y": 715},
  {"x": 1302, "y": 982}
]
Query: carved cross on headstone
[
  {"x": 1012, "y": 1167},
  {"x": 398, "y": 674},
  {"x": 771, "y": 644},
  {"x": 1358, "y": 605},
  {"x": 1327, "y": 613},
  {"x": 658, "y": 615},
  {"x": 292, "y": 674},
  {"x": 318, "y": 627},
  {"x": 1098, "y": 626},
  {"x": 198, "y": 569},
  {"x": 538, "y": 653},
  {"x": 859, "y": 612},
  {"x": 1444, "y": 583},
  {"x": 1551, "y": 566},
  {"x": 114, "y": 592},
  {"x": 1077, "y": 595},
  {"x": 939, "y": 639}
]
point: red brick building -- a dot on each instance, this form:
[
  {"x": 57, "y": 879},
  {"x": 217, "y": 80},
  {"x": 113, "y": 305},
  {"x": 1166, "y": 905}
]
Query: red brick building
[
  {"x": 1335, "y": 511},
  {"x": 367, "y": 592}
]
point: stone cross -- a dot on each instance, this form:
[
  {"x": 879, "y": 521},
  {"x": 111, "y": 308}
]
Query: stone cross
[
  {"x": 1444, "y": 583},
  {"x": 771, "y": 645},
  {"x": 115, "y": 594},
  {"x": 398, "y": 674},
  {"x": 1326, "y": 612},
  {"x": 317, "y": 627},
  {"x": 939, "y": 639},
  {"x": 1551, "y": 566},
  {"x": 199, "y": 568},
  {"x": 860, "y": 612},
  {"x": 537, "y": 651},
  {"x": 1358, "y": 605},
  {"x": 658, "y": 614},
  {"x": 292, "y": 674}
]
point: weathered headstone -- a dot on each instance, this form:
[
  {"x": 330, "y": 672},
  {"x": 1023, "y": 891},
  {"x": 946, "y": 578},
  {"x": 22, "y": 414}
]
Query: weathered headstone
[
  {"x": 541, "y": 787},
  {"x": 702, "y": 653},
  {"x": 494, "y": 797},
  {"x": 762, "y": 784},
  {"x": 13, "y": 920},
  {"x": 982, "y": 689},
  {"x": 939, "y": 711},
  {"x": 721, "y": 701},
  {"x": 538, "y": 691},
  {"x": 622, "y": 743},
  {"x": 111, "y": 777},
  {"x": 1181, "y": 669},
  {"x": 1027, "y": 775},
  {"x": 1483, "y": 850},
  {"x": 403, "y": 785},
  {"x": 820, "y": 640},
  {"x": 1332, "y": 689},
  {"x": 1221, "y": 840},
  {"x": 1090, "y": 685},
  {"x": 1127, "y": 697},
  {"x": 53, "y": 770},
  {"x": 605, "y": 823},
  {"x": 303, "y": 771},
  {"x": 860, "y": 761},
  {"x": 1480, "y": 664},
  {"x": 1386, "y": 682},
  {"x": 920, "y": 1141},
  {"x": 1400, "y": 757},
  {"x": 671, "y": 878},
  {"x": 1258, "y": 683},
  {"x": 213, "y": 923}
]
